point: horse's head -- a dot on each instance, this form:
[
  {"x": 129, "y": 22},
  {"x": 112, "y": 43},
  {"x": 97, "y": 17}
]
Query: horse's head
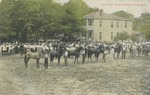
[
  {"x": 78, "y": 49},
  {"x": 61, "y": 50},
  {"x": 100, "y": 47}
]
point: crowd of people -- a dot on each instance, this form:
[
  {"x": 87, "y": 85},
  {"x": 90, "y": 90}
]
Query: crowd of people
[{"x": 120, "y": 48}]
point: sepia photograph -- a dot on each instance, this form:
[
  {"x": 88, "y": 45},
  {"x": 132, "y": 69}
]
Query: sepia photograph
[{"x": 74, "y": 47}]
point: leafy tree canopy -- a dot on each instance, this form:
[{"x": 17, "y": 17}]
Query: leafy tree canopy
[
  {"x": 41, "y": 18},
  {"x": 124, "y": 14}
]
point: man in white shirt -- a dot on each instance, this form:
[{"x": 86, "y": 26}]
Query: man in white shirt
[
  {"x": 124, "y": 51},
  {"x": 66, "y": 57},
  {"x": 112, "y": 51},
  {"x": 134, "y": 50}
]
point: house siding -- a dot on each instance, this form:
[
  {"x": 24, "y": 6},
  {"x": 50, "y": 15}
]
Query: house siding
[{"x": 106, "y": 29}]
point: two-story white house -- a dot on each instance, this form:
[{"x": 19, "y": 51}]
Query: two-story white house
[{"x": 101, "y": 26}]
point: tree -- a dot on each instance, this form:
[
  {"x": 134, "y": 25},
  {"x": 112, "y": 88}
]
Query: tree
[
  {"x": 51, "y": 16},
  {"x": 28, "y": 19},
  {"x": 6, "y": 32},
  {"x": 122, "y": 36},
  {"x": 73, "y": 19},
  {"x": 23, "y": 15},
  {"x": 142, "y": 24},
  {"x": 145, "y": 24},
  {"x": 123, "y": 14}
]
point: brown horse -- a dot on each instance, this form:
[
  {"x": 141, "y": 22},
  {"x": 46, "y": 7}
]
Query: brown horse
[{"x": 32, "y": 55}]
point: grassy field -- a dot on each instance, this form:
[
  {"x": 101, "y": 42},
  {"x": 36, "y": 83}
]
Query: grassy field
[{"x": 120, "y": 77}]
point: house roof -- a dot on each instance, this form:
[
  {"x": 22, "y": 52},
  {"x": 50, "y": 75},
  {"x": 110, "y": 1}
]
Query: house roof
[{"x": 104, "y": 16}]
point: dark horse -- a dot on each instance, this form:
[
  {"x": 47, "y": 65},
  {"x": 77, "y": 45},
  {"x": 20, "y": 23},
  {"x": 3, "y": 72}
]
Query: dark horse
[
  {"x": 118, "y": 49},
  {"x": 145, "y": 50},
  {"x": 96, "y": 51},
  {"x": 33, "y": 55},
  {"x": 56, "y": 54},
  {"x": 75, "y": 52}
]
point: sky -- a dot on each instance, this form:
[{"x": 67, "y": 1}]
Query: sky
[{"x": 135, "y": 7}]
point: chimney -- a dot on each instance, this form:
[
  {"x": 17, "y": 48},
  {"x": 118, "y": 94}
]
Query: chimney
[{"x": 101, "y": 12}]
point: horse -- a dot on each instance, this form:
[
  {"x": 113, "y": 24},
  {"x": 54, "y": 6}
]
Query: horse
[
  {"x": 33, "y": 55},
  {"x": 145, "y": 50},
  {"x": 96, "y": 51},
  {"x": 75, "y": 52},
  {"x": 56, "y": 54}
]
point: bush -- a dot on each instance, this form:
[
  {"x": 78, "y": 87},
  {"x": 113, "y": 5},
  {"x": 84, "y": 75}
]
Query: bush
[{"x": 122, "y": 36}]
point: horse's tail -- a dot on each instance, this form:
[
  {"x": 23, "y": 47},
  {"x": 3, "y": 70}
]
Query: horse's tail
[{"x": 25, "y": 58}]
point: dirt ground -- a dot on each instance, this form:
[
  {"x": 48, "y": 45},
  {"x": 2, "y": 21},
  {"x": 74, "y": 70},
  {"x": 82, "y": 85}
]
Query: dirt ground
[{"x": 120, "y": 77}]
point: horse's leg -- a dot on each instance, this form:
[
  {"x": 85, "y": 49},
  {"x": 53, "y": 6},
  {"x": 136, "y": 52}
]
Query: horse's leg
[
  {"x": 58, "y": 60},
  {"x": 97, "y": 56},
  {"x": 51, "y": 60},
  {"x": 88, "y": 56},
  {"x": 147, "y": 53},
  {"x": 37, "y": 63},
  {"x": 91, "y": 57},
  {"x": 118, "y": 55},
  {"x": 25, "y": 59},
  {"x": 26, "y": 62},
  {"x": 75, "y": 59}
]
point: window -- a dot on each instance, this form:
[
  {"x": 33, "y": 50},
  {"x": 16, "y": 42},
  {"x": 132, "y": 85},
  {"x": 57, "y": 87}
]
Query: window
[
  {"x": 100, "y": 23},
  {"x": 90, "y": 22},
  {"x": 125, "y": 24},
  {"x": 112, "y": 24},
  {"x": 111, "y": 35},
  {"x": 100, "y": 35},
  {"x": 117, "y": 24},
  {"x": 90, "y": 33}
]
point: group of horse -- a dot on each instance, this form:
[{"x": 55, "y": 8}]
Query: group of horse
[
  {"x": 74, "y": 50},
  {"x": 56, "y": 51}
]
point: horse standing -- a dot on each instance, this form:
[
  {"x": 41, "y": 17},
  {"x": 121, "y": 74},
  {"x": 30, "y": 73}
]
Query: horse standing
[
  {"x": 56, "y": 54},
  {"x": 75, "y": 52},
  {"x": 33, "y": 55},
  {"x": 96, "y": 51},
  {"x": 145, "y": 50}
]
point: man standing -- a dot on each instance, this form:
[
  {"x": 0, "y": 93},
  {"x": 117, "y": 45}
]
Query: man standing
[
  {"x": 134, "y": 51},
  {"x": 104, "y": 54},
  {"x": 1, "y": 50},
  {"x": 46, "y": 60},
  {"x": 112, "y": 53},
  {"x": 123, "y": 51},
  {"x": 83, "y": 55},
  {"x": 66, "y": 57},
  {"x": 21, "y": 49}
]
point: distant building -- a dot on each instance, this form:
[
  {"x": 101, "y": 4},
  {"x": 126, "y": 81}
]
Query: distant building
[{"x": 101, "y": 26}]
